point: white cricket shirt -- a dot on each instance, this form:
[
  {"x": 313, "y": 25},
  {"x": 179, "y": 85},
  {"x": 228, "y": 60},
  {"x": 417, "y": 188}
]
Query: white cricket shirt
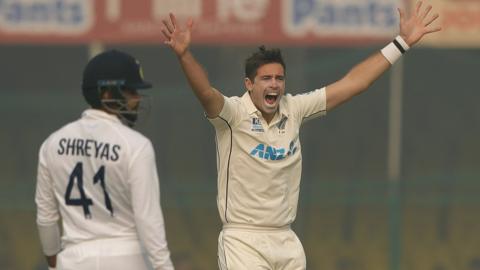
[
  {"x": 259, "y": 165},
  {"x": 100, "y": 177}
]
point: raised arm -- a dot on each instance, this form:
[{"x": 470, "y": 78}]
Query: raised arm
[
  {"x": 179, "y": 40},
  {"x": 361, "y": 76}
]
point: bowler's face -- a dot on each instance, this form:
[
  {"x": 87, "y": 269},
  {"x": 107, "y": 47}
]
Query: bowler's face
[{"x": 267, "y": 89}]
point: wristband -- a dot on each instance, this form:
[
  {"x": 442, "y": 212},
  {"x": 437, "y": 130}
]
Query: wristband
[
  {"x": 52, "y": 268},
  {"x": 395, "y": 49}
]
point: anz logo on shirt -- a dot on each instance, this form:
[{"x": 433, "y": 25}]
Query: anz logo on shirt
[{"x": 267, "y": 152}]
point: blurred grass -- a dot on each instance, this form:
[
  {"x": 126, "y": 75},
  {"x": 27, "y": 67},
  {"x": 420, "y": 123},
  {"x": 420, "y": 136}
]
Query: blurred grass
[{"x": 342, "y": 226}]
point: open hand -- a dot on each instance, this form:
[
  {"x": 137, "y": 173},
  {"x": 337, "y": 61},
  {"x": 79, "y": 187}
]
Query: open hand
[
  {"x": 419, "y": 24},
  {"x": 176, "y": 38}
]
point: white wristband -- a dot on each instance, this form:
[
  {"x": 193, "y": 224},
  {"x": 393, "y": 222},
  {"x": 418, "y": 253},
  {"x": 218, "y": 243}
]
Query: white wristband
[
  {"x": 395, "y": 49},
  {"x": 52, "y": 268}
]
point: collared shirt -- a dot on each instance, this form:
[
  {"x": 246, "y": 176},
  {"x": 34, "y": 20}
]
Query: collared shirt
[
  {"x": 259, "y": 165},
  {"x": 101, "y": 178}
]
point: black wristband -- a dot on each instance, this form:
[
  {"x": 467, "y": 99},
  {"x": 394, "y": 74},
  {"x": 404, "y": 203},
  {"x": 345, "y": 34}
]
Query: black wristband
[{"x": 399, "y": 46}]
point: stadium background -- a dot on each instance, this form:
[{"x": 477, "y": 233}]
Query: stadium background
[{"x": 350, "y": 216}]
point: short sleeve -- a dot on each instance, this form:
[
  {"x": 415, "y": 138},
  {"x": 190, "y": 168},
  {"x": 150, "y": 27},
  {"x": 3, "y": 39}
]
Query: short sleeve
[
  {"x": 310, "y": 105},
  {"x": 229, "y": 114}
]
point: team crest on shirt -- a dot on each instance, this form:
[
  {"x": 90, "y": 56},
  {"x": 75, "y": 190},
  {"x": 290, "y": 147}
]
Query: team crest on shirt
[
  {"x": 281, "y": 125},
  {"x": 257, "y": 125}
]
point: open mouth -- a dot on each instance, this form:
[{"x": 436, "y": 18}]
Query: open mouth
[{"x": 271, "y": 98}]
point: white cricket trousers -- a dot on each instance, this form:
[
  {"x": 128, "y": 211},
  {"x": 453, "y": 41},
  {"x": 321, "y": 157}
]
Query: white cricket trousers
[
  {"x": 244, "y": 247},
  {"x": 105, "y": 254}
]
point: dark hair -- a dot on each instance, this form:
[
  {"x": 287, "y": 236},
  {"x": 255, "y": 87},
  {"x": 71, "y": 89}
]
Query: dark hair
[{"x": 260, "y": 58}]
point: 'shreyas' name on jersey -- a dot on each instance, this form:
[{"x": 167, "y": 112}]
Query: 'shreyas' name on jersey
[{"x": 88, "y": 148}]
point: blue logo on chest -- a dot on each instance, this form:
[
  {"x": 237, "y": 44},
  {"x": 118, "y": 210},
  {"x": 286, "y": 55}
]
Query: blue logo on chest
[{"x": 268, "y": 152}]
